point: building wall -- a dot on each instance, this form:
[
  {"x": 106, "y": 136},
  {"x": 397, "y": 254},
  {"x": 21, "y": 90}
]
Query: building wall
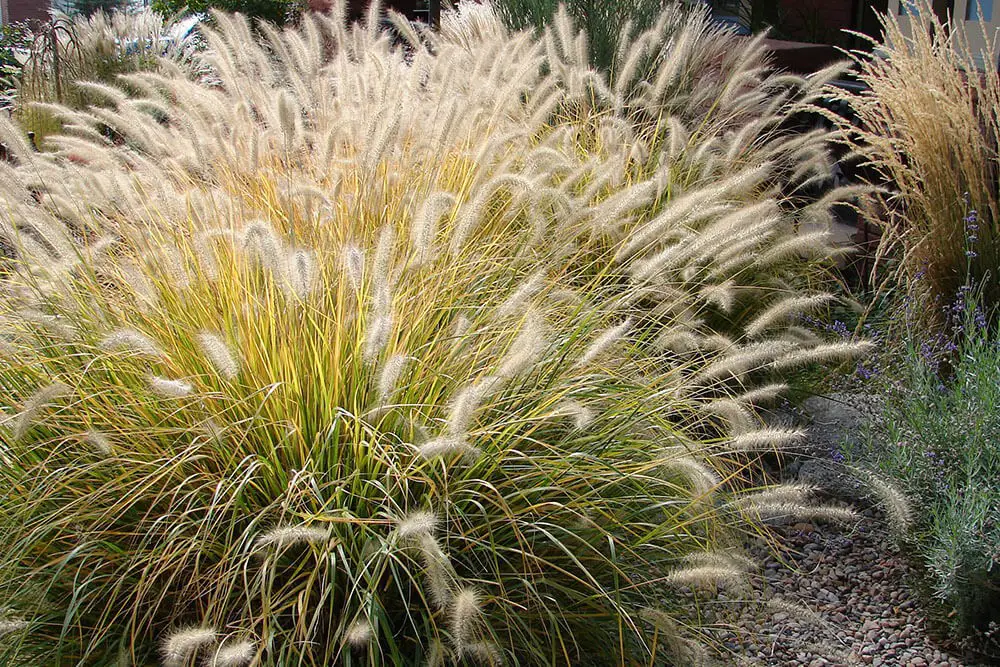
[
  {"x": 816, "y": 20},
  {"x": 24, "y": 10}
]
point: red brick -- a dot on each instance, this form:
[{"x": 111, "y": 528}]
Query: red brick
[{"x": 24, "y": 10}]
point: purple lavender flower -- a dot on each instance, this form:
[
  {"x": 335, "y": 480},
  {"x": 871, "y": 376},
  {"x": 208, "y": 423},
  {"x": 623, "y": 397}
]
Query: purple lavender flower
[{"x": 980, "y": 318}]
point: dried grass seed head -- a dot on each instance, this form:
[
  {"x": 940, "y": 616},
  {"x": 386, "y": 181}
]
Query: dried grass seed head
[{"x": 180, "y": 646}]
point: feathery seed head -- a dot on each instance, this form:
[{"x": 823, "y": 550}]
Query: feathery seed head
[
  {"x": 382, "y": 262},
  {"x": 353, "y": 261},
  {"x": 525, "y": 349},
  {"x": 287, "y": 116},
  {"x": 762, "y": 394},
  {"x": 782, "y": 493},
  {"x": 436, "y": 655},
  {"x": 167, "y": 388},
  {"x": 448, "y": 447},
  {"x": 440, "y": 574},
  {"x": 131, "y": 340},
  {"x": 389, "y": 377},
  {"x": 377, "y": 335},
  {"x": 807, "y": 512},
  {"x": 603, "y": 342},
  {"x": 181, "y": 645},
  {"x": 465, "y": 616},
  {"x": 732, "y": 559},
  {"x": 678, "y": 341},
  {"x": 33, "y": 407},
  {"x": 785, "y": 309},
  {"x": 238, "y": 654},
  {"x": 467, "y": 401},
  {"x": 704, "y": 575},
  {"x": 821, "y": 354},
  {"x": 425, "y": 225},
  {"x": 737, "y": 415},
  {"x": 682, "y": 650},
  {"x": 722, "y": 295},
  {"x": 701, "y": 477},
  {"x": 302, "y": 275},
  {"x": 219, "y": 354},
  {"x": 517, "y": 301},
  {"x": 773, "y": 438},
  {"x": 416, "y": 524},
  {"x": 100, "y": 443},
  {"x": 743, "y": 360},
  {"x": 895, "y": 504},
  {"x": 359, "y": 634},
  {"x": 485, "y": 653},
  {"x": 286, "y": 536},
  {"x": 581, "y": 415},
  {"x": 262, "y": 244},
  {"x": 778, "y": 604},
  {"x": 9, "y": 626}
]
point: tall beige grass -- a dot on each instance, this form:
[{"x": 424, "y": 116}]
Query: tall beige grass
[{"x": 929, "y": 130}]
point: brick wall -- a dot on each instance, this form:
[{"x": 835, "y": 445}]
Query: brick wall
[{"x": 23, "y": 10}]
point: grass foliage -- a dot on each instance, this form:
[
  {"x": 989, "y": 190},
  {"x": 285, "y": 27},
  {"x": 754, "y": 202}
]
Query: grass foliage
[{"x": 357, "y": 354}]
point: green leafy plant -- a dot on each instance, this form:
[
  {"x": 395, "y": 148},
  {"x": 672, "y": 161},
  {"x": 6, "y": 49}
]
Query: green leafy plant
[
  {"x": 937, "y": 436},
  {"x": 607, "y": 25},
  {"x": 15, "y": 41},
  {"x": 278, "y": 12}
]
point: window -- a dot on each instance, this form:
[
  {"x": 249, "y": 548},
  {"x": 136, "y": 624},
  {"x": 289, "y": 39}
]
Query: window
[{"x": 979, "y": 9}]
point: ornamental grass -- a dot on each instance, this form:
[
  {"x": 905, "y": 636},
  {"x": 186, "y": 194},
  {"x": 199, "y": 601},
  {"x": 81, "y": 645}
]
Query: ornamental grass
[{"x": 356, "y": 350}]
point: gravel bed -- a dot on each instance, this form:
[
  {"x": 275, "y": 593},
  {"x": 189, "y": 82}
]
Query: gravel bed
[{"x": 836, "y": 595}]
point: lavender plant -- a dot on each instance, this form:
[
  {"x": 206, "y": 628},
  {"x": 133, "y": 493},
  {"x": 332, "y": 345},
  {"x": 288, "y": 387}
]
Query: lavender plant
[{"x": 936, "y": 438}]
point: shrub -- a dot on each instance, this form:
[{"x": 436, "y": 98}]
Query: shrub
[
  {"x": 15, "y": 39},
  {"x": 937, "y": 434},
  {"x": 278, "y": 12},
  {"x": 369, "y": 354},
  {"x": 928, "y": 127},
  {"x": 607, "y": 25}
]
